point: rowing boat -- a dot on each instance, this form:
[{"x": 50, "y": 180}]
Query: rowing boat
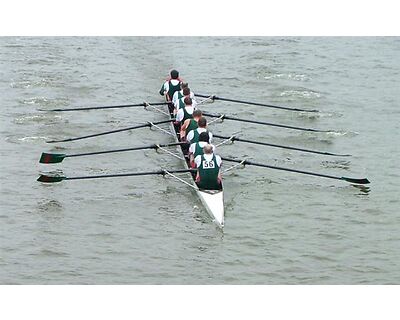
[{"x": 212, "y": 200}]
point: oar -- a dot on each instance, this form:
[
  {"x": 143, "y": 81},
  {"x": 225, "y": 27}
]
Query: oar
[
  {"x": 254, "y": 103},
  {"x": 222, "y": 117},
  {"x": 51, "y": 179},
  {"x": 351, "y": 180},
  {"x": 59, "y": 157},
  {"x": 148, "y": 124},
  {"x": 233, "y": 138},
  {"x": 143, "y": 104}
]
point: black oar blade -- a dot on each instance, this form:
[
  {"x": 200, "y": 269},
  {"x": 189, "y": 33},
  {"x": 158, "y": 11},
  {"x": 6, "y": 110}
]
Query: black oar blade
[
  {"x": 52, "y": 157},
  {"x": 50, "y": 179},
  {"x": 356, "y": 181}
]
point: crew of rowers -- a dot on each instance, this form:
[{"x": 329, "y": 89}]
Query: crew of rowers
[{"x": 193, "y": 130}]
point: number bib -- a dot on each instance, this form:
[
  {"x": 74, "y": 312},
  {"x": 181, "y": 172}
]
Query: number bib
[{"x": 208, "y": 164}]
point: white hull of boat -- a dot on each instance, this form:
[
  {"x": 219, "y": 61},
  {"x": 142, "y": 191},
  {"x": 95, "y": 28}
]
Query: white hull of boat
[{"x": 212, "y": 200}]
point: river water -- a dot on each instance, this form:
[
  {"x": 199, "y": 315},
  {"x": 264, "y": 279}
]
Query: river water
[{"x": 280, "y": 228}]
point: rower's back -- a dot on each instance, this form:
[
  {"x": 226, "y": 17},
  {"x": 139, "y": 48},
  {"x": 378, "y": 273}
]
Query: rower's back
[
  {"x": 169, "y": 87},
  {"x": 186, "y": 112},
  {"x": 208, "y": 170},
  {"x": 193, "y": 135}
]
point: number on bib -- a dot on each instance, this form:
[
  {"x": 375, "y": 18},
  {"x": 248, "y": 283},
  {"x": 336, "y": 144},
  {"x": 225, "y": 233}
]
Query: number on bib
[{"x": 208, "y": 164}]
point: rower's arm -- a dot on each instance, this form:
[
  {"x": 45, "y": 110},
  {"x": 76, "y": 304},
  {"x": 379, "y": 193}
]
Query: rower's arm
[
  {"x": 197, "y": 161},
  {"x": 185, "y": 125},
  {"x": 192, "y": 149},
  {"x": 219, "y": 176},
  {"x": 162, "y": 90},
  {"x": 219, "y": 162}
]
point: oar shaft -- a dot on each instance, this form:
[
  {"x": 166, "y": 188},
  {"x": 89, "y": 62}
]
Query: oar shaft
[
  {"x": 51, "y": 179},
  {"x": 256, "y": 103},
  {"x": 107, "y": 107},
  {"x": 280, "y": 146},
  {"x": 114, "y": 175},
  {"x": 109, "y": 132},
  {"x": 262, "y": 122},
  {"x": 246, "y": 162},
  {"x": 145, "y": 173},
  {"x": 109, "y": 151},
  {"x": 152, "y": 146}
]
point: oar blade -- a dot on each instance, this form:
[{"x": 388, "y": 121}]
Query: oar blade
[
  {"x": 50, "y": 179},
  {"x": 356, "y": 181},
  {"x": 51, "y": 157}
]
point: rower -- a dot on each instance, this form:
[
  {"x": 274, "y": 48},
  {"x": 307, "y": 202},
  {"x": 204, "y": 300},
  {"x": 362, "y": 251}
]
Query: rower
[
  {"x": 190, "y": 124},
  {"x": 180, "y": 102},
  {"x": 186, "y": 112},
  {"x": 170, "y": 86},
  {"x": 208, "y": 170},
  {"x": 196, "y": 148},
  {"x": 193, "y": 135},
  {"x": 179, "y": 94}
]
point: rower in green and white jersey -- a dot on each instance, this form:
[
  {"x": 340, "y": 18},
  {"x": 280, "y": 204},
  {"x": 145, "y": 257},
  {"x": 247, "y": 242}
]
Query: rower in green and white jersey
[
  {"x": 190, "y": 124},
  {"x": 208, "y": 170},
  {"x": 179, "y": 94},
  {"x": 180, "y": 103},
  {"x": 196, "y": 149},
  {"x": 186, "y": 112},
  {"x": 193, "y": 135},
  {"x": 170, "y": 86}
]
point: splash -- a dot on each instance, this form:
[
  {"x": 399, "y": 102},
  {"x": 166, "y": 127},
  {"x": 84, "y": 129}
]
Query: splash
[
  {"x": 301, "y": 93},
  {"x": 342, "y": 133},
  {"x": 37, "y": 118},
  {"x": 287, "y": 76},
  {"x": 32, "y": 139},
  {"x": 43, "y": 101}
]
